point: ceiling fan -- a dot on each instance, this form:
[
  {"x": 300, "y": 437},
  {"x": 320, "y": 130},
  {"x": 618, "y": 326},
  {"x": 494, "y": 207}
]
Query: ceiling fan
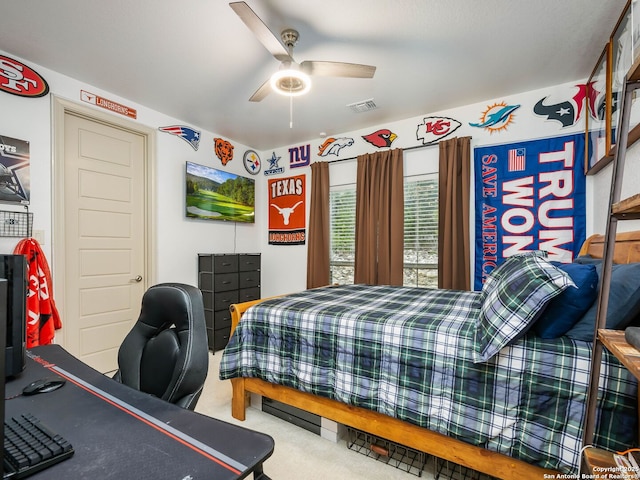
[{"x": 292, "y": 79}]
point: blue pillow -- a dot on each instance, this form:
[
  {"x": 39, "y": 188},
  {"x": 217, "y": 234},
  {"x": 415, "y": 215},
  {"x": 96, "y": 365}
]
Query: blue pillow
[
  {"x": 624, "y": 302},
  {"x": 564, "y": 311},
  {"x": 587, "y": 260}
]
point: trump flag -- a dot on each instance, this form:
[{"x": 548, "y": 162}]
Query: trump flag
[{"x": 529, "y": 196}]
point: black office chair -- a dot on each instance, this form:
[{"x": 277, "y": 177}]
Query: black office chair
[{"x": 165, "y": 353}]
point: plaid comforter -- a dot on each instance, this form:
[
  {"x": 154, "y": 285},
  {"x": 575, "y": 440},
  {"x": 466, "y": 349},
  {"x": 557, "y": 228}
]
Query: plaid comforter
[{"x": 408, "y": 353}]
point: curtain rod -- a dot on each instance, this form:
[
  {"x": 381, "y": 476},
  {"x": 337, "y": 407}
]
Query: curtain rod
[{"x": 404, "y": 149}]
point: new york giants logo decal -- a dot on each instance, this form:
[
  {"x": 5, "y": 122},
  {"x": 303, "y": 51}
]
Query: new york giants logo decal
[{"x": 300, "y": 156}]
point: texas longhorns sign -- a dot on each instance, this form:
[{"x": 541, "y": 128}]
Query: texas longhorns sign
[{"x": 287, "y": 210}]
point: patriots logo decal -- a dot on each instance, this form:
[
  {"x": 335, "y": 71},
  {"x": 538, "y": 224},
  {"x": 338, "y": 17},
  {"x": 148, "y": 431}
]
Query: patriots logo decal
[
  {"x": 332, "y": 146},
  {"x": 188, "y": 134}
]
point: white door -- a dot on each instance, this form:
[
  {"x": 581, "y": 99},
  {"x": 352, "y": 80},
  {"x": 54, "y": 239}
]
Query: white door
[{"x": 103, "y": 200}]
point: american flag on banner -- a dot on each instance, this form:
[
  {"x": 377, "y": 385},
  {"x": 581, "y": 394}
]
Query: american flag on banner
[{"x": 516, "y": 160}]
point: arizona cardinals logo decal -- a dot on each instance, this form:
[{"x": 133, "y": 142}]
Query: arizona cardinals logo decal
[
  {"x": 433, "y": 129},
  {"x": 332, "y": 146},
  {"x": 496, "y": 117},
  {"x": 188, "y": 134},
  {"x": 381, "y": 138}
]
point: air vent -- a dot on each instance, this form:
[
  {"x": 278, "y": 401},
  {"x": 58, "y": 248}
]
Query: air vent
[{"x": 363, "y": 106}]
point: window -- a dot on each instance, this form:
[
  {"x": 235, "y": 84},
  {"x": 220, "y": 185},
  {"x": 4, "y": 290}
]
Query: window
[
  {"x": 343, "y": 233},
  {"x": 420, "y": 231}
]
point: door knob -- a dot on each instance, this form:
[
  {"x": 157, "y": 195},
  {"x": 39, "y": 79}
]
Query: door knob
[{"x": 137, "y": 279}]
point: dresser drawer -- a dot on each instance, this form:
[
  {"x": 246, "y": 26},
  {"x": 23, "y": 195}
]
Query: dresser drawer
[
  {"x": 208, "y": 318},
  {"x": 221, "y": 337},
  {"x": 225, "y": 263},
  {"x": 248, "y": 294},
  {"x": 222, "y": 319},
  {"x": 225, "y": 281},
  {"x": 249, "y": 279},
  {"x": 206, "y": 281},
  {"x": 223, "y": 300},
  {"x": 248, "y": 262}
]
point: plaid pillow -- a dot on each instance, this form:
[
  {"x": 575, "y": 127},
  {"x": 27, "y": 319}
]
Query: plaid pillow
[{"x": 514, "y": 295}]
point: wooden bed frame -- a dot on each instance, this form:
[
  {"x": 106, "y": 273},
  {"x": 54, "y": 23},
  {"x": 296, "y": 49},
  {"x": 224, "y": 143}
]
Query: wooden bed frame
[{"x": 627, "y": 250}]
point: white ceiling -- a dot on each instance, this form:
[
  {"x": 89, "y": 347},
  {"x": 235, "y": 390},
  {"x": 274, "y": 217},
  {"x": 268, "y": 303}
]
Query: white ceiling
[{"x": 195, "y": 60}]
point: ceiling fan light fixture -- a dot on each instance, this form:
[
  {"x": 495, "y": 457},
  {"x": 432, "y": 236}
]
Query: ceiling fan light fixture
[{"x": 290, "y": 82}]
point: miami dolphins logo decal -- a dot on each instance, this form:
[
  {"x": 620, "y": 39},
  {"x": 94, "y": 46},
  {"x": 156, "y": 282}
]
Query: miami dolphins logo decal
[
  {"x": 381, "y": 138},
  {"x": 433, "y": 129},
  {"x": 496, "y": 117},
  {"x": 332, "y": 146}
]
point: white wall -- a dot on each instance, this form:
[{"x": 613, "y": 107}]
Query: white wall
[
  {"x": 287, "y": 265},
  {"x": 179, "y": 239}
]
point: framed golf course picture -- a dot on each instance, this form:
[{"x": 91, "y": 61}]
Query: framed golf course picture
[{"x": 213, "y": 194}]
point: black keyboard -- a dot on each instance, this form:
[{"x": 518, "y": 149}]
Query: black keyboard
[{"x": 30, "y": 446}]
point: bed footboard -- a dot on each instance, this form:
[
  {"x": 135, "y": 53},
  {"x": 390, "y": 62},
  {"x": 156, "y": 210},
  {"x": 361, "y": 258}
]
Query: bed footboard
[{"x": 383, "y": 426}]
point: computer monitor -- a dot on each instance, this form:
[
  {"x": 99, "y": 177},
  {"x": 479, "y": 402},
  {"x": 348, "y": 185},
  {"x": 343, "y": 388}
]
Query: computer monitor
[{"x": 14, "y": 269}]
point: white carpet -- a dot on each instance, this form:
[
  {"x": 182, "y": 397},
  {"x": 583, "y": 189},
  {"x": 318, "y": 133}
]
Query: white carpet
[{"x": 298, "y": 453}]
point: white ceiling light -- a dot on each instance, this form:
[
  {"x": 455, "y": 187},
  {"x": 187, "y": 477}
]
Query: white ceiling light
[{"x": 290, "y": 81}]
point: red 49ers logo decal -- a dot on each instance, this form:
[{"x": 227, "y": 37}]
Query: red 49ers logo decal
[
  {"x": 433, "y": 129},
  {"x": 18, "y": 79}
]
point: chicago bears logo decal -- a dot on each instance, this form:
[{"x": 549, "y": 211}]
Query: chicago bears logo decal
[
  {"x": 18, "y": 79},
  {"x": 224, "y": 150},
  {"x": 433, "y": 129}
]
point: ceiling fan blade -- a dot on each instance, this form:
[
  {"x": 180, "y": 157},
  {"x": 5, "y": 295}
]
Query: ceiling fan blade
[
  {"x": 261, "y": 31},
  {"x": 338, "y": 69},
  {"x": 262, "y": 92}
]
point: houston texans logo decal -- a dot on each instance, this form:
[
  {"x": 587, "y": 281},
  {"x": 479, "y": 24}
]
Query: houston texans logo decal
[
  {"x": 332, "y": 146},
  {"x": 433, "y": 129},
  {"x": 188, "y": 134},
  {"x": 569, "y": 112}
]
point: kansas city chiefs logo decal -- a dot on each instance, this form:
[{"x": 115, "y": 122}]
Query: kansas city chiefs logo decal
[{"x": 433, "y": 129}]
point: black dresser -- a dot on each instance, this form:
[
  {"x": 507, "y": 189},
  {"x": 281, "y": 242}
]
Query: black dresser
[{"x": 225, "y": 279}]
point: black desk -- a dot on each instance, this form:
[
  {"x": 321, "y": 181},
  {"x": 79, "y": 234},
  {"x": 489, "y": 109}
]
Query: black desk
[{"x": 118, "y": 432}]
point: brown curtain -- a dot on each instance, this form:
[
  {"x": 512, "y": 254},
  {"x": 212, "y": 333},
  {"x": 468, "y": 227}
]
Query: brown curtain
[
  {"x": 380, "y": 219},
  {"x": 319, "y": 243},
  {"x": 453, "y": 214}
]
